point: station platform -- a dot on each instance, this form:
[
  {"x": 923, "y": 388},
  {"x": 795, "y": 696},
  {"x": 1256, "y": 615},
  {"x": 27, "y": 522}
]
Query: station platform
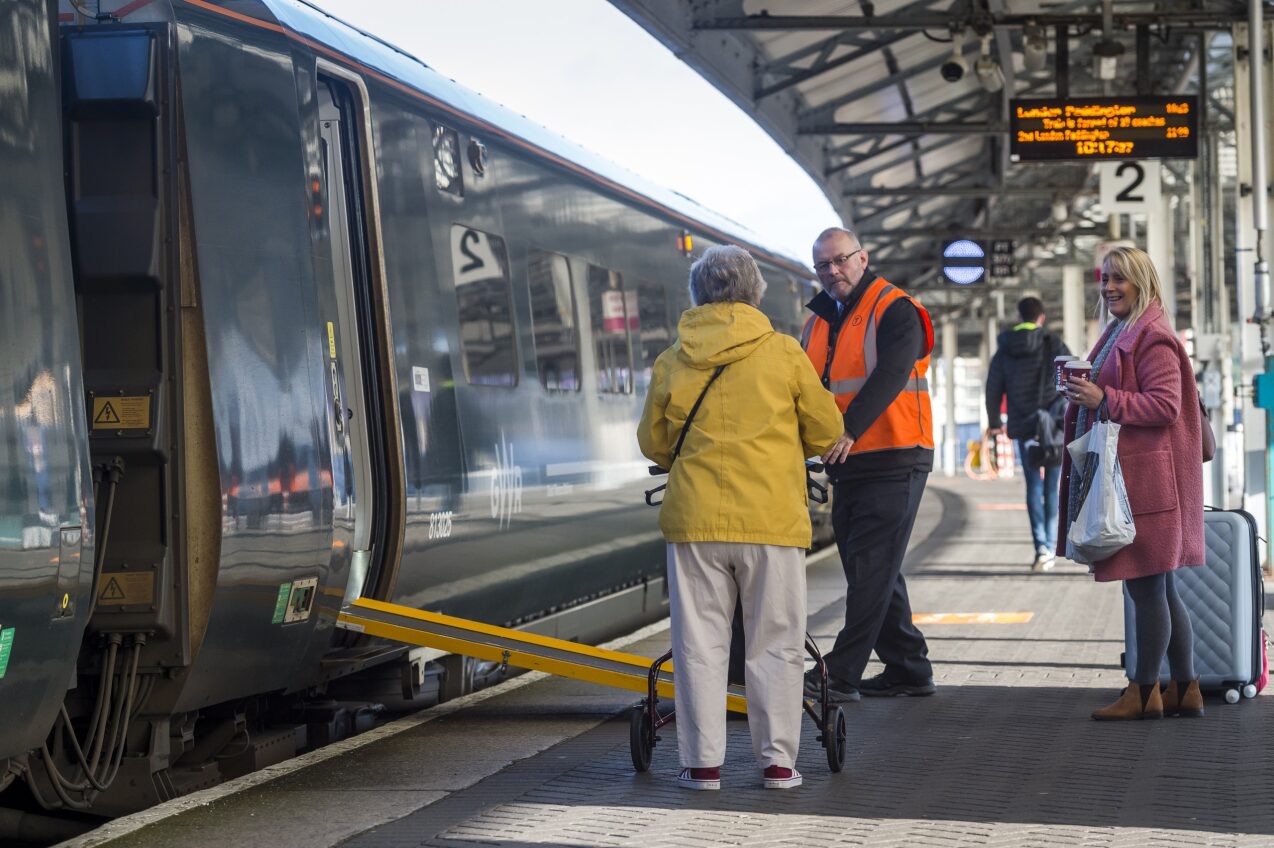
[{"x": 1004, "y": 754}]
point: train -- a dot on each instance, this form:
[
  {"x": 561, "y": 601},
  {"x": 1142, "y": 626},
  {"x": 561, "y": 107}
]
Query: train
[{"x": 291, "y": 318}]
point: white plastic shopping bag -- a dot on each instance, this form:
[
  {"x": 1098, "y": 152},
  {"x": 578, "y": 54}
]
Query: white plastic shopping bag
[{"x": 1104, "y": 524}]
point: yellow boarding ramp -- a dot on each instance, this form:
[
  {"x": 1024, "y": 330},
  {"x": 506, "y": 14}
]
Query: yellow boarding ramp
[{"x": 513, "y": 647}]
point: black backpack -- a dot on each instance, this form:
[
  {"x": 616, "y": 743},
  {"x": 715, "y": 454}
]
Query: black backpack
[{"x": 1044, "y": 449}]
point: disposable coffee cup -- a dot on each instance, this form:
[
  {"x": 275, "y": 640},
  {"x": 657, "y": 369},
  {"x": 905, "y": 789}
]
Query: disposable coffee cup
[
  {"x": 1059, "y": 374},
  {"x": 1080, "y": 369}
]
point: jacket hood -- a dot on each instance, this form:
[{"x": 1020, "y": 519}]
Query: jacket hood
[
  {"x": 720, "y": 333},
  {"x": 1022, "y": 343}
]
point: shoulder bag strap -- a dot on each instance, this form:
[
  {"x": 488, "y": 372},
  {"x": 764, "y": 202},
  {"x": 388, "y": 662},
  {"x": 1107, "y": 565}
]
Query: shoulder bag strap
[{"x": 685, "y": 428}]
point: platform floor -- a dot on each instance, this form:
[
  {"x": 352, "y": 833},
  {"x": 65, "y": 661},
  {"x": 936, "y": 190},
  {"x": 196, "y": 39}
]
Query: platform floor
[{"x": 1004, "y": 754}]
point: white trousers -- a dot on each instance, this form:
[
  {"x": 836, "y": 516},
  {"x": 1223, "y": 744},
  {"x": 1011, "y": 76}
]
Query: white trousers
[{"x": 705, "y": 579}]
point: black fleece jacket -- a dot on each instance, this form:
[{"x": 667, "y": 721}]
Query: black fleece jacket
[
  {"x": 1022, "y": 370},
  {"x": 900, "y": 343}
]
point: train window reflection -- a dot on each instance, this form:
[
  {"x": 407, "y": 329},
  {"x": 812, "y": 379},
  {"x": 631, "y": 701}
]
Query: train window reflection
[
  {"x": 481, "y": 265},
  {"x": 553, "y": 321},
  {"x": 653, "y": 326},
  {"x": 609, "y": 309},
  {"x": 447, "y": 171}
]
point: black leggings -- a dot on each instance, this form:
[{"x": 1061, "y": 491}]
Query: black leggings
[{"x": 1163, "y": 627}]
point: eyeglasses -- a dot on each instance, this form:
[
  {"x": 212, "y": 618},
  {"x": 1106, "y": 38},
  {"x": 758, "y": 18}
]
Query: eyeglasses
[{"x": 838, "y": 261}]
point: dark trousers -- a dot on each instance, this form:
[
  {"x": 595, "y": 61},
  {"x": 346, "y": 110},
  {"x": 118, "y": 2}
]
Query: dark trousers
[{"x": 872, "y": 519}]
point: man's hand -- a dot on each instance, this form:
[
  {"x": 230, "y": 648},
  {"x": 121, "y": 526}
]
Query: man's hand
[
  {"x": 839, "y": 451},
  {"x": 994, "y": 431}
]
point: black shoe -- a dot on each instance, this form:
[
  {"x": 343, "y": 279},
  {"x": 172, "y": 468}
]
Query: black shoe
[
  {"x": 838, "y": 691},
  {"x": 881, "y": 686}
]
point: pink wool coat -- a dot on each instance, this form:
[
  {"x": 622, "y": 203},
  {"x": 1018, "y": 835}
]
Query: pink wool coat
[{"x": 1151, "y": 393}]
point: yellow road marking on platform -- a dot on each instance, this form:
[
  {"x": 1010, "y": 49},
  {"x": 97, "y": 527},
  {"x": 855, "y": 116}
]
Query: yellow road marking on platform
[
  {"x": 1002, "y": 507},
  {"x": 972, "y": 617}
]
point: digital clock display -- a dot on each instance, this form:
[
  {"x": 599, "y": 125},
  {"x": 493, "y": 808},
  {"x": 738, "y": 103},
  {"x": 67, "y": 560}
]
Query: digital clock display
[{"x": 1104, "y": 128}]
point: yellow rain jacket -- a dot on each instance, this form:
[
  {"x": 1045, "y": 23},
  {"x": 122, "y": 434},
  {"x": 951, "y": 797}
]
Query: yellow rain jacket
[{"x": 741, "y": 475}]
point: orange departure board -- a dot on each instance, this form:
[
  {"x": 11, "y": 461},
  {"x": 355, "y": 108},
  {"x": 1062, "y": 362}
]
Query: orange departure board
[{"x": 1149, "y": 127}]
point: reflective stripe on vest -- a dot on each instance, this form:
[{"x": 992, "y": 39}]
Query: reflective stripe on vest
[
  {"x": 908, "y": 420},
  {"x": 855, "y": 385}
]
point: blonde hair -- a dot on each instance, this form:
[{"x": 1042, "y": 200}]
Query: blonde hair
[{"x": 1134, "y": 265}]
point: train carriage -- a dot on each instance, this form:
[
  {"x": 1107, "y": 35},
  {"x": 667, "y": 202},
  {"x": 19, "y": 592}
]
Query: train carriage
[{"x": 344, "y": 328}]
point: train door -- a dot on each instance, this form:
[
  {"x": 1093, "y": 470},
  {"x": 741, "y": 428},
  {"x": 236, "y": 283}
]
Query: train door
[{"x": 349, "y": 344}]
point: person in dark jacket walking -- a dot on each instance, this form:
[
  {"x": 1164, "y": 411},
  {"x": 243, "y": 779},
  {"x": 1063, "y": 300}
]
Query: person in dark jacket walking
[{"x": 1022, "y": 370}]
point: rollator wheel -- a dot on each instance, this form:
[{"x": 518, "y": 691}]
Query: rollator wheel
[
  {"x": 641, "y": 737},
  {"x": 834, "y": 734}
]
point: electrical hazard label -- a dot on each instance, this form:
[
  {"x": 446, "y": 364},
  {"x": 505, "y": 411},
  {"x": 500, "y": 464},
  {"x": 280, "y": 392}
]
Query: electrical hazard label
[
  {"x": 123, "y": 412},
  {"x": 126, "y": 589}
]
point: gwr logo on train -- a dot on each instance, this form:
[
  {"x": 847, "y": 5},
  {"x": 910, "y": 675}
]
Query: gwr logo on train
[{"x": 506, "y": 484}]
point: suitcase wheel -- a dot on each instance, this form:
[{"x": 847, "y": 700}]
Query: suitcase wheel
[
  {"x": 1249, "y": 691},
  {"x": 1231, "y": 696}
]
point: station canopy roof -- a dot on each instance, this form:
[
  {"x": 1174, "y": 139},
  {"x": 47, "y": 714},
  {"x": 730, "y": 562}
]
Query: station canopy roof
[{"x": 856, "y": 93}]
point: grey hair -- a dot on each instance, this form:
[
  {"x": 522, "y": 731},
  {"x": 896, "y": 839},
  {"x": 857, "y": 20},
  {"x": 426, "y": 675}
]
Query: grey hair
[
  {"x": 833, "y": 231},
  {"x": 726, "y": 274}
]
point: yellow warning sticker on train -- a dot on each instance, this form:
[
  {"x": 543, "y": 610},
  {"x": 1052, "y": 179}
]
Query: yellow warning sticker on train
[
  {"x": 124, "y": 588},
  {"x": 121, "y": 412},
  {"x": 331, "y": 341},
  {"x": 972, "y": 617}
]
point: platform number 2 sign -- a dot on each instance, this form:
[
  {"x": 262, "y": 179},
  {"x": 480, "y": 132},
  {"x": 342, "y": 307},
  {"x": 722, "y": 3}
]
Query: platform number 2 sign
[{"x": 1130, "y": 187}]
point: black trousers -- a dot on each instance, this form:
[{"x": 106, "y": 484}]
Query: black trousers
[{"x": 872, "y": 519}]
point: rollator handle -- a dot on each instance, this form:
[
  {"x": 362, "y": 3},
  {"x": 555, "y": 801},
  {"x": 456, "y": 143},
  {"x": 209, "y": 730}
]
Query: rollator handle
[{"x": 817, "y": 491}]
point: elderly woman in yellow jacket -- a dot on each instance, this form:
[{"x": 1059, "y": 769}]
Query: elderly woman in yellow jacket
[{"x": 735, "y": 513}]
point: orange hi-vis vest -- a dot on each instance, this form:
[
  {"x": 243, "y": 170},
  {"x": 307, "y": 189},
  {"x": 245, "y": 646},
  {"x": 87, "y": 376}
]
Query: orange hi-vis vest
[{"x": 908, "y": 421}]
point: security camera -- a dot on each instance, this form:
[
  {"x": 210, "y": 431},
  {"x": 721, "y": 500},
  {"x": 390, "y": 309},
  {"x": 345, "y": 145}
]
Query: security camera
[
  {"x": 1106, "y": 55},
  {"x": 988, "y": 70},
  {"x": 954, "y": 69},
  {"x": 1034, "y": 50}
]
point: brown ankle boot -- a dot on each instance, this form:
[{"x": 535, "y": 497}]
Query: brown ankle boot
[
  {"x": 1136, "y": 702},
  {"x": 1183, "y": 698}
]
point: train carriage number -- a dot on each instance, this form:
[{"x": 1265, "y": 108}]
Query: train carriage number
[{"x": 440, "y": 525}]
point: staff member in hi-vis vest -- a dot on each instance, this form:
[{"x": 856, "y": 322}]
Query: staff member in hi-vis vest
[{"x": 870, "y": 344}]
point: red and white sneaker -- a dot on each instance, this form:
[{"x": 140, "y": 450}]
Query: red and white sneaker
[
  {"x": 777, "y": 777},
  {"x": 700, "y": 778}
]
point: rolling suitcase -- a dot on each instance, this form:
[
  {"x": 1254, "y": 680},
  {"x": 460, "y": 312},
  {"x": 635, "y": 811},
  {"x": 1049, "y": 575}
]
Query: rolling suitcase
[{"x": 1225, "y": 597}]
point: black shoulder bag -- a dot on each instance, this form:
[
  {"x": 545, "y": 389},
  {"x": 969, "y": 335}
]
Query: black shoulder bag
[{"x": 655, "y": 470}]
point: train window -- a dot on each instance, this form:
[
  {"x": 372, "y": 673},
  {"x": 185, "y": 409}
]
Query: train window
[
  {"x": 608, "y": 308},
  {"x": 481, "y": 265},
  {"x": 447, "y": 170},
  {"x": 653, "y": 326},
  {"x": 680, "y": 301},
  {"x": 553, "y": 321}
]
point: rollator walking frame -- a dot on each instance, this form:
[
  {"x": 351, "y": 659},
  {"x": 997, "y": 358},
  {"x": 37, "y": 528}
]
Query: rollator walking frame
[
  {"x": 646, "y": 719},
  {"x": 580, "y": 662}
]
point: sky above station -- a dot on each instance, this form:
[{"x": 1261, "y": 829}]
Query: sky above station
[{"x": 587, "y": 72}]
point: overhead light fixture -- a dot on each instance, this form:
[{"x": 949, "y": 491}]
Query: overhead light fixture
[
  {"x": 1061, "y": 209},
  {"x": 1034, "y": 49},
  {"x": 1106, "y": 55},
  {"x": 953, "y": 69},
  {"x": 989, "y": 72}
]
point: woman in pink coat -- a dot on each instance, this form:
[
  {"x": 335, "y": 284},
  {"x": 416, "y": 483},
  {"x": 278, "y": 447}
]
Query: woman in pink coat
[{"x": 1143, "y": 381}]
